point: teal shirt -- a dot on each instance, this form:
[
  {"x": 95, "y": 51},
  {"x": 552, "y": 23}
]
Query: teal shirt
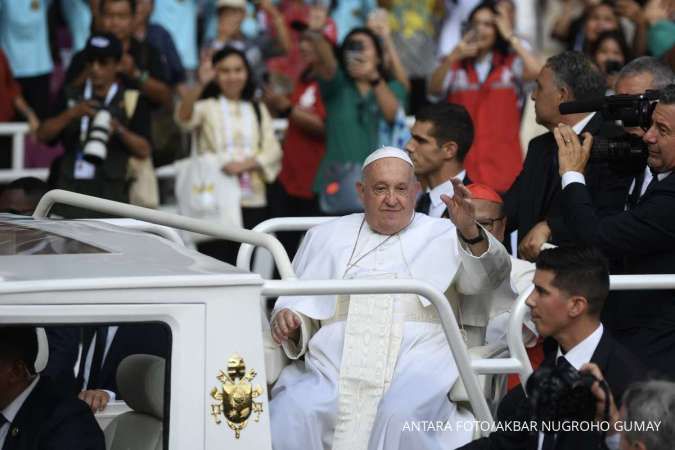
[
  {"x": 661, "y": 37},
  {"x": 24, "y": 37},
  {"x": 351, "y": 121},
  {"x": 179, "y": 17}
]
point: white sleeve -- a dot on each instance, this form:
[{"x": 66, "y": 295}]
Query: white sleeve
[{"x": 572, "y": 177}]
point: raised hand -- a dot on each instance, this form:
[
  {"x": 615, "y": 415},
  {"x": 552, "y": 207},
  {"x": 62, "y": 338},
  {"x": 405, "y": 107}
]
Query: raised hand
[
  {"x": 461, "y": 209},
  {"x": 572, "y": 155}
]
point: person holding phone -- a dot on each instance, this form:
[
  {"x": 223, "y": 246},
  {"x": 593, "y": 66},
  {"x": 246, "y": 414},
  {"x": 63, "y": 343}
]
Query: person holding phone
[{"x": 483, "y": 74}]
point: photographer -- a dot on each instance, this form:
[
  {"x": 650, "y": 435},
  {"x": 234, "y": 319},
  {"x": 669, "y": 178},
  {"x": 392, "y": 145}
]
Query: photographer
[
  {"x": 571, "y": 285},
  {"x": 100, "y": 126},
  {"x": 644, "y": 235}
]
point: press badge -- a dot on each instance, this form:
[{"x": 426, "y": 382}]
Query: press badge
[{"x": 84, "y": 170}]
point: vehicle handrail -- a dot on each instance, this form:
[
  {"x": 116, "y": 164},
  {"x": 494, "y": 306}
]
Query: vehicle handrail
[
  {"x": 167, "y": 233},
  {"x": 119, "y": 209},
  {"x": 275, "y": 288},
  {"x": 514, "y": 336},
  {"x": 271, "y": 226}
]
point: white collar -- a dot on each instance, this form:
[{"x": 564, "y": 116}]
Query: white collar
[
  {"x": 663, "y": 175},
  {"x": 445, "y": 188},
  {"x": 580, "y": 125},
  {"x": 13, "y": 408},
  {"x": 582, "y": 353}
]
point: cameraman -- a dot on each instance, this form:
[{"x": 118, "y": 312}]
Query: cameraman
[
  {"x": 128, "y": 132},
  {"x": 570, "y": 287},
  {"x": 643, "y": 235}
]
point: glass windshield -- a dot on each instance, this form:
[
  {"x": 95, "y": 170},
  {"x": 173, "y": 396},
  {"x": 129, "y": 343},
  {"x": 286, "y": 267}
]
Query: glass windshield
[{"x": 19, "y": 240}]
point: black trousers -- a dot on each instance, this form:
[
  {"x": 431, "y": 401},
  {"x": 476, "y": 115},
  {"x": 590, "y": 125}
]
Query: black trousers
[
  {"x": 226, "y": 251},
  {"x": 36, "y": 92}
]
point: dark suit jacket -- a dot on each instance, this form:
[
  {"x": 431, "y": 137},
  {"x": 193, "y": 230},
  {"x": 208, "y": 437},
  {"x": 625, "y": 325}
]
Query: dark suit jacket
[
  {"x": 535, "y": 194},
  {"x": 54, "y": 419},
  {"x": 619, "y": 367},
  {"x": 645, "y": 238},
  {"x": 131, "y": 339}
]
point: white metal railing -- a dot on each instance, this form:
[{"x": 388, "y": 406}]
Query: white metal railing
[
  {"x": 458, "y": 349},
  {"x": 118, "y": 209}
]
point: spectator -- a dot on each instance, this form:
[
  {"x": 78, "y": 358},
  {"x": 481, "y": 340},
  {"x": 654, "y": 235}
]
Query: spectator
[
  {"x": 21, "y": 196},
  {"x": 482, "y": 74},
  {"x": 661, "y": 34},
  {"x": 643, "y": 235},
  {"x": 610, "y": 52},
  {"x": 78, "y": 16},
  {"x": 350, "y": 14},
  {"x": 11, "y": 100},
  {"x": 315, "y": 403},
  {"x": 238, "y": 130},
  {"x": 413, "y": 32},
  {"x": 231, "y": 14},
  {"x": 440, "y": 139},
  {"x": 532, "y": 203},
  {"x": 570, "y": 288},
  {"x": 23, "y": 31},
  {"x": 632, "y": 11},
  {"x": 141, "y": 66},
  {"x": 454, "y": 20},
  {"x": 304, "y": 143},
  {"x": 36, "y": 413},
  {"x": 581, "y": 32},
  {"x": 179, "y": 17},
  {"x": 359, "y": 96},
  {"x": 71, "y": 125},
  {"x": 378, "y": 22}
]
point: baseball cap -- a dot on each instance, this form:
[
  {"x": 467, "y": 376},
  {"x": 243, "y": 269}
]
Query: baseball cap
[{"x": 103, "y": 45}]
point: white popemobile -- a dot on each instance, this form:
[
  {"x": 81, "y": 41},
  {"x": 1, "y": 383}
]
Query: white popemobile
[{"x": 221, "y": 360}]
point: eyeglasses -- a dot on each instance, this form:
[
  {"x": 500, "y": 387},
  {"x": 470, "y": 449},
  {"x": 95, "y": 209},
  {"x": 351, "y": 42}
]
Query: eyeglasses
[{"x": 488, "y": 223}]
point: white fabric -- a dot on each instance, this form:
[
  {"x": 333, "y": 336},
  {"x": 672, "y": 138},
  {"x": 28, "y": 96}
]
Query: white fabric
[
  {"x": 571, "y": 176},
  {"x": 13, "y": 409},
  {"x": 112, "y": 331},
  {"x": 457, "y": 12},
  {"x": 437, "y": 206},
  {"x": 646, "y": 180},
  {"x": 304, "y": 404},
  {"x": 577, "y": 356},
  {"x": 613, "y": 442},
  {"x": 387, "y": 152},
  {"x": 580, "y": 125}
]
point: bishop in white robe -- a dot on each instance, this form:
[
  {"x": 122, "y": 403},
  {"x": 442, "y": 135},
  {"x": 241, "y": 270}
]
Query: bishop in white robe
[{"x": 378, "y": 367}]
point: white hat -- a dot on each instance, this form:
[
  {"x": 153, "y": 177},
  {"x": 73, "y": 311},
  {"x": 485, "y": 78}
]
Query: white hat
[
  {"x": 231, "y": 4},
  {"x": 387, "y": 152}
]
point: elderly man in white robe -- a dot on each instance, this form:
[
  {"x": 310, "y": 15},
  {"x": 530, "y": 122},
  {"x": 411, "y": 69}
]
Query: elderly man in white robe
[{"x": 376, "y": 363}]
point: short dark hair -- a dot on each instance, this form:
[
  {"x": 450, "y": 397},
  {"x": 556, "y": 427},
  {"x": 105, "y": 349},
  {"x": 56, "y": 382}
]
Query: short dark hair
[
  {"x": 615, "y": 35},
  {"x": 451, "y": 122},
  {"x": 19, "y": 343},
  {"x": 667, "y": 96},
  {"x": 580, "y": 271},
  {"x": 32, "y": 187},
  {"x": 500, "y": 45},
  {"x": 132, "y": 4},
  {"x": 382, "y": 70},
  {"x": 577, "y": 72}
]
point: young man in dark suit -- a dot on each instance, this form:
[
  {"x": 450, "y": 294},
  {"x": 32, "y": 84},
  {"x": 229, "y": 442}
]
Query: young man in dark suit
[
  {"x": 644, "y": 235},
  {"x": 440, "y": 140},
  {"x": 532, "y": 203},
  {"x": 571, "y": 285},
  {"x": 35, "y": 414}
]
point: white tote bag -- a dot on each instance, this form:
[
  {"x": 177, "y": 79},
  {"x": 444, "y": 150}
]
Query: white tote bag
[{"x": 204, "y": 192}]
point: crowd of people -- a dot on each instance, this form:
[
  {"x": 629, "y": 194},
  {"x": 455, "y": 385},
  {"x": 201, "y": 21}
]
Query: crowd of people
[{"x": 121, "y": 86}]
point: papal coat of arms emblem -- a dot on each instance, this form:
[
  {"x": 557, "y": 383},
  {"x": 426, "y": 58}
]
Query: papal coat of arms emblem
[{"x": 236, "y": 396}]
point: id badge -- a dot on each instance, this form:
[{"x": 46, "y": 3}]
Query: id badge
[{"x": 83, "y": 170}]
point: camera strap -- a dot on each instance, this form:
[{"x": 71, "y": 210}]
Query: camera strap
[{"x": 88, "y": 91}]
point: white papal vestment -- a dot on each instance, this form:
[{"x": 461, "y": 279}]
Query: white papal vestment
[{"x": 418, "y": 369}]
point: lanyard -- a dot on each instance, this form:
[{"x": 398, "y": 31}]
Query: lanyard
[{"x": 84, "y": 123}]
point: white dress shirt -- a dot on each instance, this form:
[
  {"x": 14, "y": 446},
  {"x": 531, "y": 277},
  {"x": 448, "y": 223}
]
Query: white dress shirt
[
  {"x": 13, "y": 409},
  {"x": 437, "y": 206},
  {"x": 90, "y": 357},
  {"x": 577, "y": 356}
]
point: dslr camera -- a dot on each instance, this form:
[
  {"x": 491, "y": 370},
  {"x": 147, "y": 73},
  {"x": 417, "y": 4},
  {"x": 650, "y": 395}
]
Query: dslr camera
[
  {"x": 625, "y": 153},
  {"x": 560, "y": 394},
  {"x": 96, "y": 146}
]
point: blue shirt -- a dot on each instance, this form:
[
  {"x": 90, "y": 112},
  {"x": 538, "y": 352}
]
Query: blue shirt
[
  {"x": 24, "y": 37},
  {"x": 350, "y": 14},
  {"x": 159, "y": 38},
  {"x": 179, "y": 18},
  {"x": 78, "y": 16}
]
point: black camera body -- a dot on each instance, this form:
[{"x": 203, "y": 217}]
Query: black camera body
[
  {"x": 626, "y": 153},
  {"x": 560, "y": 394}
]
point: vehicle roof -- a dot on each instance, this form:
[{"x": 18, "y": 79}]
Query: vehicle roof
[{"x": 59, "y": 249}]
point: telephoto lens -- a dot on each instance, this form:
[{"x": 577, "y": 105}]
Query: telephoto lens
[{"x": 96, "y": 147}]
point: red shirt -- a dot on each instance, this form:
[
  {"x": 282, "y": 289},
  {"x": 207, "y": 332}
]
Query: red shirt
[
  {"x": 9, "y": 90},
  {"x": 302, "y": 152}
]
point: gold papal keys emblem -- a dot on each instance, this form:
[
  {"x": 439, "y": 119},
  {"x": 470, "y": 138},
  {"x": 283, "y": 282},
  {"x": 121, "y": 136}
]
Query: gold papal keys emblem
[{"x": 236, "y": 396}]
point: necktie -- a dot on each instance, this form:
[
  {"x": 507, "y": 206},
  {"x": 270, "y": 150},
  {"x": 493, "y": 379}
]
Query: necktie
[
  {"x": 97, "y": 360},
  {"x": 423, "y": 204},
  {"x": 562, "y": 363}
]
